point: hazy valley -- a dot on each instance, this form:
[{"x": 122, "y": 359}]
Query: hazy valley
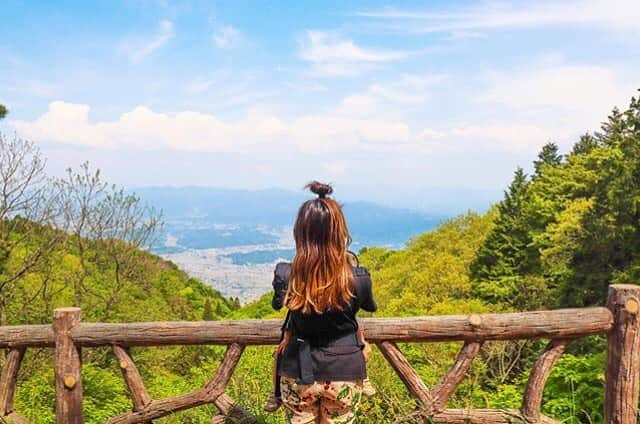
[{"x": 231, "y": 239}]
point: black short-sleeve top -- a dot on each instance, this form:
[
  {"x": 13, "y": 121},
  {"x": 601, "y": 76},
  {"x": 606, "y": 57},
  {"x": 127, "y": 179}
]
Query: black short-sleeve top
[{"x": 321, "y": 329}]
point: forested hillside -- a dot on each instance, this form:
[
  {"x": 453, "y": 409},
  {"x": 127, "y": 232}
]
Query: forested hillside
[
  {"x": 79, "y": 241},
  {"x": 567, "y": 231},
  {"x": 557, "y": 239},
  {"x": 152, "y": 290}
]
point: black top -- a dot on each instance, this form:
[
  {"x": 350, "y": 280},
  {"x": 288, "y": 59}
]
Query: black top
[{"x": 341, "y": 363}]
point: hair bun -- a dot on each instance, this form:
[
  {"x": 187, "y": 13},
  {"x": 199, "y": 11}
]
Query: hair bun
[{"x": 322, "y": 190}]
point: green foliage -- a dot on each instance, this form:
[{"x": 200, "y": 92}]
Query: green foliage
[
  {"x": 430, "y": 276},
  {"x": 501, "y": 269},
  {"x": 548, "y": 156},
  {"x": 432, "y": 270},
  {"x": 3, "y": 111},
  {"x": 575, "y": 224},
  {"x": 157, "y": 291},
  {"x": 558, "y": 238},
  {"x": 260, "y": 308},
  {"x": 207, "y": 313},
  {"x": 575, "y": 389}
]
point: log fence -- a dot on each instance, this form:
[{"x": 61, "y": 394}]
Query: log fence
[{"x": 67, "y": 335}]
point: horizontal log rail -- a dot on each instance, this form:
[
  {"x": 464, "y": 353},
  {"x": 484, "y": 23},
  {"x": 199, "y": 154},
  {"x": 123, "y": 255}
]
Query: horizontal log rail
[
  {"x": 561, "y": 323},
  {"x": 68, "y": 335}
]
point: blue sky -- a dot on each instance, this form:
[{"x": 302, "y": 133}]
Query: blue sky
[{"x": 430, "y": 105}]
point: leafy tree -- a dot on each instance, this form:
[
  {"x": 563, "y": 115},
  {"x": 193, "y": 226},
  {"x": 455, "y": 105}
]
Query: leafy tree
[
  {"x": 27, "y": 211},
  {"x": 95, "y": 212},
  {"x": 3, "y": 111}
]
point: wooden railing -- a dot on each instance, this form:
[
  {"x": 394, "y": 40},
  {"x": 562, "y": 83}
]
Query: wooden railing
[{"x": 619, "y": 321}]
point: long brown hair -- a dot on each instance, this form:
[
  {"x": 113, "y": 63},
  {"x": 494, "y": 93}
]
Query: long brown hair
[{"x": 321, "y": 276}]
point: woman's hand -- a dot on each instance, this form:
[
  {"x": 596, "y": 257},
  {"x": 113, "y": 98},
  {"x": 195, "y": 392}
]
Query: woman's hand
[
  {"x": 366, "y": 351},
  {"x": 283, "y": 344}
]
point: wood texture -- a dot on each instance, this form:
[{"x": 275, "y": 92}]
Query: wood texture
[
  {"x": 623, "y": 357},
  {"x": 561, "y": 323},
  {"x": 532, "y": 400},
  {"x": 443, "y": 390},
  {"x": 14, "y": 418},
  {"x": 407, "y": 374},
  {"x": 139, "y": 395},
  {"x": 482, "y": 416},
  {"x": 619, "y": 320},
  {"x": 68, "y": 365},
  {"x": 208, "y": 394},
  {"x": 26, "y": 336},
  {"x": 232, "y": 412},
  {"x": 8, "y": 379}
]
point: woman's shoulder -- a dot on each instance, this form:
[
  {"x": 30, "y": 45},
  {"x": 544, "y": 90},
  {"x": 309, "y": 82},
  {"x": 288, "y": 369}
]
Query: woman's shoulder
[
  {"x": 283, "y": 267},
  {"x": 282, "y": 271},
  {"x": 361, "y": 278},
  {"x": 360, "y": 271}
]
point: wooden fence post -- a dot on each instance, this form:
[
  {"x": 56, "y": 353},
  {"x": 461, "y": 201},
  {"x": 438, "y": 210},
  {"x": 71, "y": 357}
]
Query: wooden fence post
[
  {"x": 68, "y": 367},
  {"x": 623, "y": 355},
  {"x": 8, "y": 380}
]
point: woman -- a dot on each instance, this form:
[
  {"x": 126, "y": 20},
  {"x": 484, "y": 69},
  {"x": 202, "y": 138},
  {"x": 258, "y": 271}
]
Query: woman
[{"x": 321, "y": 362}]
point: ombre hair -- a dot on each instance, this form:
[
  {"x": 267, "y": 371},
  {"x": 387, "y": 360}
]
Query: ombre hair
[{"x": 321, "y": 277}]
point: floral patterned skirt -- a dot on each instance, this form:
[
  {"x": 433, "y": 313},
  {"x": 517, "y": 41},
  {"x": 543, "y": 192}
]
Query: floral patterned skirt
[{"x": 333, "y": 402}]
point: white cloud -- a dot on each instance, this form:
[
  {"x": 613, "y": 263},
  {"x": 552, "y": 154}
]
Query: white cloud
[
  {"x": 199, "y": 85},
  {"x": 359, "y": 105},
  {"x": 408, "y": 91},
  {"x": 227, "y": 37},
  {"x": 219, "y": 78},
  {"x": 515, "y": 111},
  {"x": 615, "y": 15},
  {"x": 231, "y": 88},
  {"x": 575, "y": 97},
  {"x": 138, "y": 48},
  {"x": 548, "y": 100},
  {"x": 506, "y": 136},
  {"x": 335, "y": 168},
  {"x": 142, "y": 127},
  {"x": 328, "y": 54},
  {"x": 430, "y": 134},
  {"x": 34, "y": 88},
  {"x": 329, "y": 132}
]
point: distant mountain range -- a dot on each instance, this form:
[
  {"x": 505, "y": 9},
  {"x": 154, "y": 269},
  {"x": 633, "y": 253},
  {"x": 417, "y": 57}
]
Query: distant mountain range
[
  {"x": 225, "y": 210},
  {"x": 231, "y": 239}
]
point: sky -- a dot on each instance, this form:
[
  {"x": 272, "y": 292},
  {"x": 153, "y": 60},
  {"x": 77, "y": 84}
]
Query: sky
[{"x": 429, "y": 105}]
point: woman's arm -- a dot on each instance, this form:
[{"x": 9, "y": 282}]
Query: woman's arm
[
  {"x": 366, "y": 349},
  {"x": 284, "y": 342}
]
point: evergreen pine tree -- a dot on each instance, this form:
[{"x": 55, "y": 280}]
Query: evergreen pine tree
[
  {"x": 207, "y": 313},
  {"x": 504, "y": 251},
  {"x": 508, "y": 256},
  {"x": 548, "y": 156},
  {"x": 613, "y": 129},
  {"x": 585, "y": 145}
]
